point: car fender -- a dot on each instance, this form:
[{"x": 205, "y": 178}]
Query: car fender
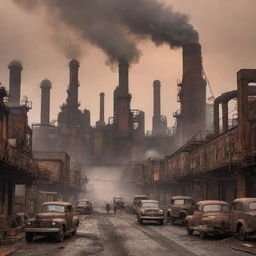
[
  {"x": 75, "y": 221},
  {"x": 243, "y": 223},
  {"x": 189, "y": 219}
]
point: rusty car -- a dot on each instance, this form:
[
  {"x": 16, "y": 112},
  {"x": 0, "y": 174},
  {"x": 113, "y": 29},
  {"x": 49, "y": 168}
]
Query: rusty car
[
  {"x": 56, "y": 219},
  {"x": 118, "y": 202},
  {"x": 243, "y": 218},
  {"x": 84, "y": 206},
  {"x": 180, "y": 208},
  {"x": 211, "y": 217},
  {"x": 136, "y": 202},
  {"x": 150, "y": 210}
]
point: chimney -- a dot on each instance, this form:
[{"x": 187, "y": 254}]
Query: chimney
[
  {"x": 124, "y": 76},
  {"x": 102, "y": 110},
  {"x": 123, "y": 99},
  {"x": 193, "y": 91},
  {"x": 45, "y": 86},
  {"x": 15, "y": 68},
  {"x": 157, "y": 107},
  {"x": 73, "y": 84}
]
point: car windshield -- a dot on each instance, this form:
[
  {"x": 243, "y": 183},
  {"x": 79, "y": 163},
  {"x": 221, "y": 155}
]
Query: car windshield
[
  {"x": 140, "y": 198},
  {"x": 252, "y": 205},
  {"x": 118, "y": 199},
  {"x": 150, "y": 205},
  {"x": 183, "y": 202},
  {"x": 82, "y": 203},
  {"x": 53, "y": 208},
  {"x": 216, "y": 208}
]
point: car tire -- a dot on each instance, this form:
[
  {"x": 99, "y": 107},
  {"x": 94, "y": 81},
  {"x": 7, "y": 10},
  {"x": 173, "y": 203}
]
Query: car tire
[
  {"x": 241, "y": 234},
  {"x": 161, "y": 222},
  {"x": 141, "y": 221},
  {"x": 60, "y": 236},
  {"x": 202, "y": 235},
  {"x": 74, "y": 231},
  {"x": 189, "y": 230},
  {"x": 172, "y": 220},
  {"x": 183, "y": 218},
  {"x": 29, "y": 237}
]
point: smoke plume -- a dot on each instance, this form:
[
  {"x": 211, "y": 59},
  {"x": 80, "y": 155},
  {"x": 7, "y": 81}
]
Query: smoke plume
[{"x": 116, "y": 25}]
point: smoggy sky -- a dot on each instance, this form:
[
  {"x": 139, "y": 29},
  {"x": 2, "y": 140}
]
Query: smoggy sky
[{"x": 227, "y": 34}]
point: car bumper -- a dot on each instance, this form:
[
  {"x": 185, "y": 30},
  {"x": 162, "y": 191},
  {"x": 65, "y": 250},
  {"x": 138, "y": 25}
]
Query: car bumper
[
  {"x": 152, "y": 217},
  {"x": 41, "y": 230},
  {"x": 212, "y": 230}
]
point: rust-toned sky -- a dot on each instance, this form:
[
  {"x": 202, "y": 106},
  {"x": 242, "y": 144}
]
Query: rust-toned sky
[{"x": 227, "y": 34}]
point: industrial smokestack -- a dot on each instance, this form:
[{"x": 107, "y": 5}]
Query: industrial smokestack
[
  {"x": 102, "y": 109},
  {"x": 45, "y": 86},
  {"x": 123, "y": 99},
  {"x": 124, "y": 76},
  {"x": 15, "y": 68},
  {"x": 157, "y": 108},
  {"x": 157, "y": 98},
  {"x": 73, "y": 84},
  {"x": 193, "y": 91}
]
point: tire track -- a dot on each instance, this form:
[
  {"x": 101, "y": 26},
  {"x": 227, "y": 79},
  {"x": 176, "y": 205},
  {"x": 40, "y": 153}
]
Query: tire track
[{"x": 113, "y": 240}]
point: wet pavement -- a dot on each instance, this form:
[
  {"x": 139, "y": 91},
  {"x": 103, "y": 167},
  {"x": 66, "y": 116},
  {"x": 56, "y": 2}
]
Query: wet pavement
[{"x": 120, "y": 235}]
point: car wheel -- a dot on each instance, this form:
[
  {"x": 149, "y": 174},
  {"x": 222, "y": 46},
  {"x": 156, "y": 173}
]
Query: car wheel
[
  {"x": 189, "y": 230},
  {"x": 241, "y": 234},
  {"x": 141, "y": 221},
  {"x": 182, "y": 218},
  {"x": 172, "y": 220},
  {"x": 60, "y": 236},
  {"x": 161, "y": 222},
  {"x": 202, "y": 234},
  {"x": 74, "y": 231},
  {"x": 29, "y": 237}
]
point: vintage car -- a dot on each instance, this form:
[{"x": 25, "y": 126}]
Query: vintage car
[
  {"x": 136, "y": 202},
  {"x": 209, "y": 218},
  {"x": 150, "y": 210},
  {"x": 55, "y": 219},
  {"x": 243, "y": 217},
  {"x": 118, "y": 201},
  {"x": 180, "y": 208},
  {"x": 84, "y": 206}
]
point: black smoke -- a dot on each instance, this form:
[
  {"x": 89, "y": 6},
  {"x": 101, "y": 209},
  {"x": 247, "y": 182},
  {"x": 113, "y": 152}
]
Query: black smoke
[{"x": 115, "y": 26}]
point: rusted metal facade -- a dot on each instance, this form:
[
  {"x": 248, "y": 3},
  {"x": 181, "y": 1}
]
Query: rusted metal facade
[{"x": 209, "y": 167}]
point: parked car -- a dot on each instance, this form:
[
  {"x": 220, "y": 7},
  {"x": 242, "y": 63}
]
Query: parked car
[
  {"x": 136, "y": 202},
  {"x": 84, "y": 206},
  {"x": 55, "y": 219},
  {"x": 118, "y": 201},
  {"x": 180, "y": 208},
  {"x": 209, "y": 218},
  {"x": 150, "y": 210},
  {"x": 243, "y": 217}
]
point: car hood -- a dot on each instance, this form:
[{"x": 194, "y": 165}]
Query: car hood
[
  {"x": 50, "y": 215},
  {"x": 217, "y": 215},
  {"x": 250, "y": 213}
]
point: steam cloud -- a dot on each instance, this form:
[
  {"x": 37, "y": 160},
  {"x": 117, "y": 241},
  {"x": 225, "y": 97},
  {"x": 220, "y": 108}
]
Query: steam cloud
[{"x": 116, "y": 25}]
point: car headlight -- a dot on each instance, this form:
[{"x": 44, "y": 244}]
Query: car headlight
[
  {"x": 53, "y": 223},
  {"x": 29, "y": 223},
  {"x": 161, "y": 211}
]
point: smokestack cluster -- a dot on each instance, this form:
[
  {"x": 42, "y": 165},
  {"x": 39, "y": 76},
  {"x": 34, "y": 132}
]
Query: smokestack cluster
[
  {"x": 114, "y": 26},
  {"x": 15, "y": 68},
  {"x": 45, "y": 86}
]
